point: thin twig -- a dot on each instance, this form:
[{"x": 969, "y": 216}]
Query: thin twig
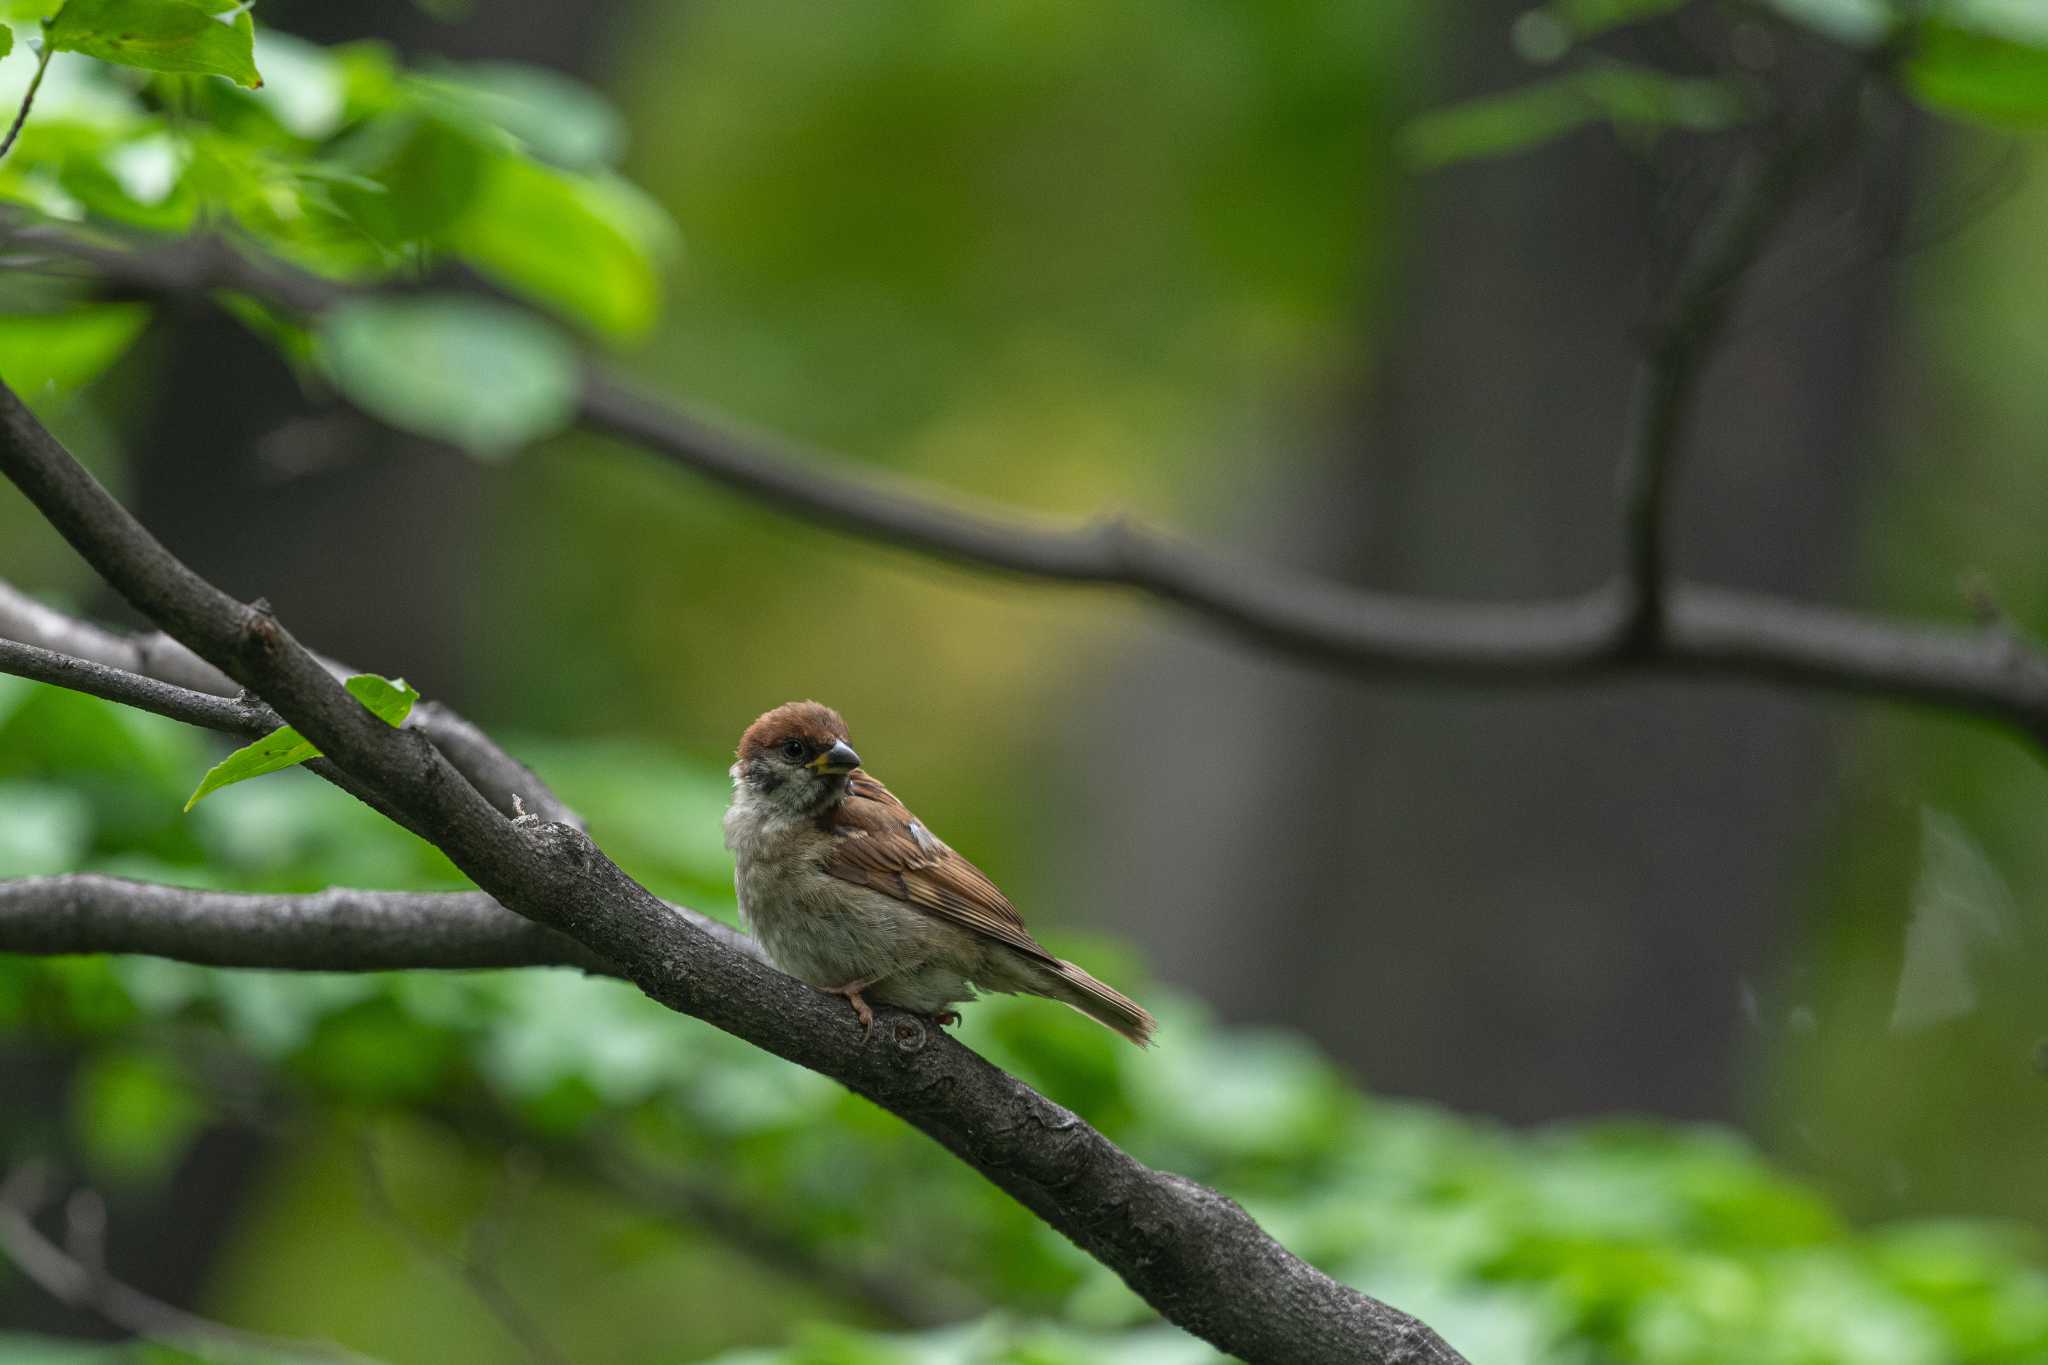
[
  {"x": 504, "y": 779},
  {"x": 474, "y": 1268},
  {"x": 35, "y": 83},
  {"x": 1749, "y": 209},
  {"x": 86, "y": 1285}
]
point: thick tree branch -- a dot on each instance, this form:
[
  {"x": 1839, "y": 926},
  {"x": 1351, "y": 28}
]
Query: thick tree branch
[
  {"x": 1704, "y": 632},
  {"x": 1191, "y": 1253},
  {"x": 337, "y": 930}
]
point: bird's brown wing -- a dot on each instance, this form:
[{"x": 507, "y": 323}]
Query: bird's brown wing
[{"x": 879, "y": 844}]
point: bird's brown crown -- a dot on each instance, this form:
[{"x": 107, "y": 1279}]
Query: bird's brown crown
[{"x": 815, "y": 723}]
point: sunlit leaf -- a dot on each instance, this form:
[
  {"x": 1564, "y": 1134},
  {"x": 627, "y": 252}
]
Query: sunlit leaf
[
  {"x": 190, "y": 36},
  {"x": 389, "y": 699},
  {"x": 591, "y": 248},
  {"x": 478, "y": 374}
]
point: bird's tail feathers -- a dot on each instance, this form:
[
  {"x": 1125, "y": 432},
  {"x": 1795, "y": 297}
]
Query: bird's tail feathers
[{"x": 1105, "y": 1004}]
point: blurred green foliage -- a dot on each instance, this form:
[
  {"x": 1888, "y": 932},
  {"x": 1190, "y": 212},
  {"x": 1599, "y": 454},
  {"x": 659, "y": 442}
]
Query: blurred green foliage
[
  {"x": 1615, "y": 1241},
  {"x": 1922, "y": 978}
]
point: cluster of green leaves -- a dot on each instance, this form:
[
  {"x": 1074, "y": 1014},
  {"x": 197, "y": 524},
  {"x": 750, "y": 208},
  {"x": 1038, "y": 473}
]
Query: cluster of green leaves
[
  {"x": 152, "y": 118},
  {"x": 1973, "y": 59},
  {"x": 1599, "y": 1242}
]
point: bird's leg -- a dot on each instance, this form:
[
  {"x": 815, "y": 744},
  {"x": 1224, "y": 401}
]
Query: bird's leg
[
  {"x": 946, "y": 1018},
  {"x": 851, "y": 990}
]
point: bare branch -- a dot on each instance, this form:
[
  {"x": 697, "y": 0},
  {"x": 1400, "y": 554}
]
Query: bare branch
[
  {"x": 1706, "y": 633},
  {"x": 1194, "y": 1255},
  {"x": 28, "y": 99},
  {"x": 1709, "y": 632},
  {"x": 155, "y": 655},
  {"x": 231, "y": 715},
  {"x": 85, "y": 1284},
  {"x": 1748, "y": 211},
  {"x": 337, "y": 930}
]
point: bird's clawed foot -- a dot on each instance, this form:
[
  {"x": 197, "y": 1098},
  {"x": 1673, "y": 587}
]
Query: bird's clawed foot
[
  {"x": 946, "y": 1018},
  {"x": 851, "y": 990}
]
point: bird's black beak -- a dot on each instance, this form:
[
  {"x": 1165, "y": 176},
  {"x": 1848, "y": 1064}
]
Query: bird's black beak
[{"x": 840, "y": 758}]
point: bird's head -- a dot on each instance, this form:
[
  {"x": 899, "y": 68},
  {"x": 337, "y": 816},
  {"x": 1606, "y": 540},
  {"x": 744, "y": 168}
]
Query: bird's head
[{"x": 796, "y": 757}]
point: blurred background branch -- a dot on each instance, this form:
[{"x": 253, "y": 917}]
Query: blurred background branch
[
  {"x": 1701, "y": 631},
  {"x": 79, "y": 1277}
]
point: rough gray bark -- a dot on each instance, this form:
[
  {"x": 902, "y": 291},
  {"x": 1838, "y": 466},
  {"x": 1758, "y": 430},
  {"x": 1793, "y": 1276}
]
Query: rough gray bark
[{"x": 337, "y": 930}]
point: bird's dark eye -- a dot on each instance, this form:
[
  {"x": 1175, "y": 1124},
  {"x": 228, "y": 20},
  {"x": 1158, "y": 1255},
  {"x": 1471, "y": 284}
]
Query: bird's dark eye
[{"x": 793, "y": 750}]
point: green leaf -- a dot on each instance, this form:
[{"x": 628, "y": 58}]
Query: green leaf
[
  {"x": 161, "y": 35},
  {"x": 409, "y": 176},
  {"x": 481, "y": 375},
  {"x": 1989, "y": 77},
  {"x": 589, "y": 247},
  {"x": 57, "y": 352},
  {"x": 1633, "y": 99},
  {"x": 6, "y": 40},
  {"x": 557, "y": 119},
  {"x": 389, "y": 699}
]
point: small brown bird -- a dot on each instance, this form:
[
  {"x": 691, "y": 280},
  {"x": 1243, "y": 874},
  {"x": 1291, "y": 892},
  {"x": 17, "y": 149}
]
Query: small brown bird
[{"x": 848, "y": 891}]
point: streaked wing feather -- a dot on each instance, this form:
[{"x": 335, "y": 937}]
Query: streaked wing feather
[{"x": 879, "y": 844}]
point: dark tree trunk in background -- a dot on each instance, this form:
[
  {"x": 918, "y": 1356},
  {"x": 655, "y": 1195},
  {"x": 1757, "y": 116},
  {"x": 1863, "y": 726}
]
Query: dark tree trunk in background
[{"x": 1535, "y": 904}]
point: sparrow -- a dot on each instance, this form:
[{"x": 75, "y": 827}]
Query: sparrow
[{"x": 849, "y": 892}]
